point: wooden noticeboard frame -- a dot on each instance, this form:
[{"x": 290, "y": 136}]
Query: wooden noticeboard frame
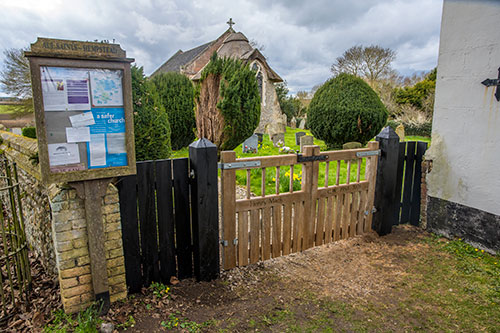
[{"x": 74, "y": 55}]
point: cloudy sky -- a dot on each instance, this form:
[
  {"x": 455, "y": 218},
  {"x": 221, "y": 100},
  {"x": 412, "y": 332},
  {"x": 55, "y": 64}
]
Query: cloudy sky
[{"x": 301, "y": 39}]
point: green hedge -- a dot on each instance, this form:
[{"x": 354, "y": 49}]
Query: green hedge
[
  {"x": 345, "y": 109},
  {"x": 29, "y": 132},
  {"x": 151, "y": 126},
  {"x": 177, "y": 96},
  {"x": 238, "y": 100}
]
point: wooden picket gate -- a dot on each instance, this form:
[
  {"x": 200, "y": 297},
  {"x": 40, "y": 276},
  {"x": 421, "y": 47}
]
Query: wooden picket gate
[{"x": 322, "y": 211}]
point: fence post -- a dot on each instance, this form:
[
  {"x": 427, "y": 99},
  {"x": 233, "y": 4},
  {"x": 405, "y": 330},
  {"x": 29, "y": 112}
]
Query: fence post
[
  {"x": 204, "y": 200},
  {"x": 386, "y": 200}
]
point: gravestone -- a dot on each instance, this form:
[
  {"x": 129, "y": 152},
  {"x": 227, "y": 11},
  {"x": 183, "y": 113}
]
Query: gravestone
[
  {"x": 297, "y": 137},
  {"x": 400, "y": 131},
  {"x": 277, "y": 138},
  {"x": 251, "y": 144},
  {"x": 306, "y": 140},
  {"x": 293, "y": 123},
  {"x": 352, "y": 145},
  {"x": 302, "y": 124}
]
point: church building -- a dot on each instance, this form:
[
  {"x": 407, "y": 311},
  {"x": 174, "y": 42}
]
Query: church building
[{"x": 236, "y": 45}]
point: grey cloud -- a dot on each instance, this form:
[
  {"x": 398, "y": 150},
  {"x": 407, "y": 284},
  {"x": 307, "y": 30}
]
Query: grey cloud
[{"x": 302, "y": 38}]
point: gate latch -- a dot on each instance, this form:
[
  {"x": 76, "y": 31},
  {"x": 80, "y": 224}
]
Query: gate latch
[
  {"x": 368, "y": 153},
  {"x": 239, "y": 165},
  {"x": 301, "y": 158}
]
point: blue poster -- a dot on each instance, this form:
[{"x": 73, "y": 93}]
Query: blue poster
[{"x": 107, "y": 139}]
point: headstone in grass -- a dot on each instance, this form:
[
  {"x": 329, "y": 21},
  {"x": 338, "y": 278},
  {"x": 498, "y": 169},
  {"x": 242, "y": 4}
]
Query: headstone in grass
[
  {"x": 306, "y": 140},
  {"x": 302, "y": 124},
  {"x": 251, "y": 144},
  {"x": 278, "y": 137},
  {"x": 297, "y": 137},
  {"x": 352, "y": 145},
  {"x": 293, "y": 123}
]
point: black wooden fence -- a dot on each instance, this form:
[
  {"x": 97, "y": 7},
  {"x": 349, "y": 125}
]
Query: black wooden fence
[
  {"x": 409, "y": 178},
  {"x": 398, "y": 186},
  {"x": 160, "y": 226}
]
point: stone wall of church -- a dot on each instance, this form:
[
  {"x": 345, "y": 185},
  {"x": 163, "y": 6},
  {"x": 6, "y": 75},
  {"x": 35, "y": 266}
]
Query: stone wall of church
[{"x": 271, "y": 117}]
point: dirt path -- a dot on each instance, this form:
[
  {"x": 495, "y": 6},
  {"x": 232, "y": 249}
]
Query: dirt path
[{"x": 365, "y": 283}]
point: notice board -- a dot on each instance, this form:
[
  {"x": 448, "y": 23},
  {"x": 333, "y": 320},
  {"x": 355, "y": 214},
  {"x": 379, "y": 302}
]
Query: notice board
[{"x": 83, "y": 110}]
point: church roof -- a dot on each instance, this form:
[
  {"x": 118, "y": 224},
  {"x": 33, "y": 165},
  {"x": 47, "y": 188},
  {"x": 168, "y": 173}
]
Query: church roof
[
  {"x": 230, "y": 43},
  {"x": 181, "y": 58},
  {"x": 236, "y": 37}
]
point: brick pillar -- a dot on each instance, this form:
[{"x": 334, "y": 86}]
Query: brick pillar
[
  {"x": 426, "y": 168},
  {"x": 69, "y": 233}
]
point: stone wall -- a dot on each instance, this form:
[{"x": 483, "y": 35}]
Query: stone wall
[
  {"x": 56, "y": 228},
  {"x": 34, "y": 199}
]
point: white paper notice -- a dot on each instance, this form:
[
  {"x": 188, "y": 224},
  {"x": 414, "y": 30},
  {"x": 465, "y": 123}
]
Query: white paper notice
[
  {"x": 65, "y": 88},
  {"x": 82, "y": 119},
  {"x": 116, "y": 143},
  {"x": 54, "y": 94},
  {"x": 77, "y": 134},
  {"x": 63, "y": 153},
  {"x": 97, "y": 147}
]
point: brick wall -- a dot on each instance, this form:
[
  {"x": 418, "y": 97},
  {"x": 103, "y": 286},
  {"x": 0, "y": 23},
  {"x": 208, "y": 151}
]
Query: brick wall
[
  {"x": 71, "y": 246},
  {"x": 56, "y": 228}
]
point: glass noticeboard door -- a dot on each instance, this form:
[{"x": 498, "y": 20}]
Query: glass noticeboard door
[{"x": 84, "y": 117}]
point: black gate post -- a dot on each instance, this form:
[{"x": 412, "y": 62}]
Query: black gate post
[
  {"x": 204, "y": 201},
  {"x": 386, "y": 200}
]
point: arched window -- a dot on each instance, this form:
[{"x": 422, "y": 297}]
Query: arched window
[{"x": 259, "y": 81}]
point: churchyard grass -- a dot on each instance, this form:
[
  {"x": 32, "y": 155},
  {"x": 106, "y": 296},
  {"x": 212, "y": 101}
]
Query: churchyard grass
[
  {"x": 418, "y": 138},
  {"x": 268, "y": 149},
  {"x": 6, "y": 108}
]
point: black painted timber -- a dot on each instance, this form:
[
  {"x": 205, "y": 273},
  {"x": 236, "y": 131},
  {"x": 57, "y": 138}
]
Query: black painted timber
[
  {"x": 399, "y": 181},
  {"x": 182, "y": 218},
  {"x": 165, "y": 213},
  {"x": 408, "y": 181},
  {"x": 205, "y": 217},
  {"x": 147, "y": 220},
  {"x": 417, "y": 181},
  {"x": 127, "y": 191},
  {"x": 386, "y": 200}
]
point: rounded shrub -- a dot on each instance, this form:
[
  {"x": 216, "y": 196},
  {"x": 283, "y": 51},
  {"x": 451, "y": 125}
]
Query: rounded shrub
[
  {"x": 151, "y": 125},
  {"x": 29, "y": 132},
  {"x": 345, "y": 109},
  {"x": 177, "y": 96},
  {"x": 227, "y": 102}
]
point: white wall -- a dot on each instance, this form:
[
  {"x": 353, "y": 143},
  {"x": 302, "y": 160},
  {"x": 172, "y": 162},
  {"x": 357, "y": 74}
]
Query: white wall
[{"x": 466, "y": 126}]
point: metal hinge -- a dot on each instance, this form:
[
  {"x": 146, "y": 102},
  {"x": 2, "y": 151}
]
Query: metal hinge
[
  {"x": 301, "y": 158},
  {"x": 374, "y": 210},
  {"x": 239, "y": 165},
  {"x": 368, "y": 153},
  {"x": 226, "y": 243}
]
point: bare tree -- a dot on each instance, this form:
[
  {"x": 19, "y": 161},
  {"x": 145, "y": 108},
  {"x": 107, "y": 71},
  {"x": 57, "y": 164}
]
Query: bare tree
[
  {"x": 15, "y": 78},
  {"x": 370, "y": 62}
]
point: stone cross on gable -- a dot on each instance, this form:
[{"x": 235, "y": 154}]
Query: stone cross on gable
[{"x": 231, "y": 23}]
